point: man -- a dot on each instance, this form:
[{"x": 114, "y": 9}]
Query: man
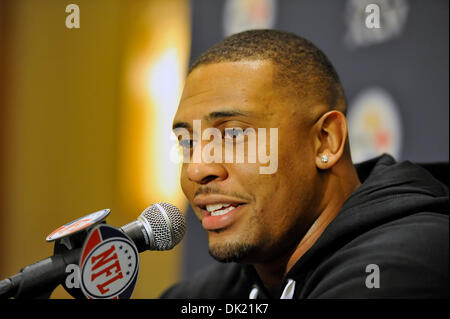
[{"x": 317, "y": 227}]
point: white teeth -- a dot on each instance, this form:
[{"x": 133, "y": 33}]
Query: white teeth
[
  {"x": 220, "y": 209},
  {"x": 223, "y": 211},
  {"x": 213, "y": 207}
]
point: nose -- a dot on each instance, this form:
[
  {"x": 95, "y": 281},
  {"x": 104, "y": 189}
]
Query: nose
[{"x": 203, "y": 173}]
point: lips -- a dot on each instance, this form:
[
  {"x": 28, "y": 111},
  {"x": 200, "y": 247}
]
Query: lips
[{"x": 218, "y": 212}]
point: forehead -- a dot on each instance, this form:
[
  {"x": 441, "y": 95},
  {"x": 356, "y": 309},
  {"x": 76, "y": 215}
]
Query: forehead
[{"x": 243, "y": 85}]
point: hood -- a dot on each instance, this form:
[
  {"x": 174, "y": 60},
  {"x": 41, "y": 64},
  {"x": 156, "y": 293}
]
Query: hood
[{"x": 389, "y": 191}]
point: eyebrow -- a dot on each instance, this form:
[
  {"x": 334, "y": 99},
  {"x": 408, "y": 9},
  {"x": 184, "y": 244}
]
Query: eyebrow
[
  {"x": 180, "y": 125},
  {"x": 214, "y": 116},
  {"x": 231, "y": 113}
]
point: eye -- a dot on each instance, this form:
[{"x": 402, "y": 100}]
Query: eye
[
  {"x": 187, "y": 144},
  {"x": 232, "y": 133}
]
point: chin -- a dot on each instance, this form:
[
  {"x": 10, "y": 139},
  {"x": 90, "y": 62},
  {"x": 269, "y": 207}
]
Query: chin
[{"x": 226, "y": 252}]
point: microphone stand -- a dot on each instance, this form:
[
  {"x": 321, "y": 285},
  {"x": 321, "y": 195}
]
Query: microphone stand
[{"x": 39, "y": 280}]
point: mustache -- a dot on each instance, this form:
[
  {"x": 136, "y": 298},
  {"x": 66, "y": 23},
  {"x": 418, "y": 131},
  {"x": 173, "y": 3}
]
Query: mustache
[{"x": 214, "y": 190}]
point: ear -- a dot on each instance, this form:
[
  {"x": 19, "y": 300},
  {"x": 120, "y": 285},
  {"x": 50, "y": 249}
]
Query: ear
[{"x": 331, "y": 136}]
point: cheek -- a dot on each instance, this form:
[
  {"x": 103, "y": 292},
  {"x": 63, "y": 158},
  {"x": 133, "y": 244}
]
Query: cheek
[
  {"x": 285, "y": 193},
  {"x": 263, "y": 188},
  {"x": 297, "y": 161},
  {"x": 245, "y": 175}
]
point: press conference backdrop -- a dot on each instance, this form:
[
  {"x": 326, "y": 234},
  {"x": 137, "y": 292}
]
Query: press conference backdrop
[{"x": 395, "y": 73}]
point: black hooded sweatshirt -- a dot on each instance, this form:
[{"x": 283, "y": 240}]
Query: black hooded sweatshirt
[{"x": 389, "y": 240}]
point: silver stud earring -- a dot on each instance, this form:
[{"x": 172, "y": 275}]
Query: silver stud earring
[{"x": 324, "y": 159}]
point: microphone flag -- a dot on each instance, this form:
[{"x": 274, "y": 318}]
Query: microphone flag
[{"x": 109, "y": 264}]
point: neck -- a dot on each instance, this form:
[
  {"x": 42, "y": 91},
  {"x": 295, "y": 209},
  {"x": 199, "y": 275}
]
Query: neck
[{"x": 339, "y": 188}]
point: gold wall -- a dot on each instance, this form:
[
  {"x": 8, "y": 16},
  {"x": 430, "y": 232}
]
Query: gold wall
[{"x": 81, "y": 122}]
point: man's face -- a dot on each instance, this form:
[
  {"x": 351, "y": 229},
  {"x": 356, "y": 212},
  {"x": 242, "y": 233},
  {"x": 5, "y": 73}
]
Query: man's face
[{"x": 268, "y": 213}]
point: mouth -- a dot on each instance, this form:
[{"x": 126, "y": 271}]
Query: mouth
[
  {"x": 218, "y": 212},
  {"x": 220, "y": 208}
]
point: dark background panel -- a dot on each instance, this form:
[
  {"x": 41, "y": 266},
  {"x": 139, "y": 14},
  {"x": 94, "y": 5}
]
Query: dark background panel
[{"x": 411, "y": 66}]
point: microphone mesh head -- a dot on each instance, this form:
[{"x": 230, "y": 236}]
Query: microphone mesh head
[{"x": 167, "y": 223}]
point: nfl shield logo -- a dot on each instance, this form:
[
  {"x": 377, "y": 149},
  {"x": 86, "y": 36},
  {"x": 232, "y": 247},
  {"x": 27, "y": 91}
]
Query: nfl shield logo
[{"x": 109, "y": 264}]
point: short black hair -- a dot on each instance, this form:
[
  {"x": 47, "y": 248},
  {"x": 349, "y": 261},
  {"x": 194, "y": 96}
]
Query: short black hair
[{"x": 300, "y": 64}]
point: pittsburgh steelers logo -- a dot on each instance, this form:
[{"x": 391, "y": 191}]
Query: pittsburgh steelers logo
[
  {"x": 241, "y": 15},
  {"x": 375, "y": 125}
]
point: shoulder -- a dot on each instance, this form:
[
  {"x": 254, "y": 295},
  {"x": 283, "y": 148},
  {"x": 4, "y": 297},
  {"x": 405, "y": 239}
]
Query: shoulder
[
  {"x": 413, "y": 234},
  {"x": 216, "y": 281},
  {"x": 404, "y": 258}
]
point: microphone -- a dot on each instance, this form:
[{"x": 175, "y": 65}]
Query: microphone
[{"x": 159, "y": 227}]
